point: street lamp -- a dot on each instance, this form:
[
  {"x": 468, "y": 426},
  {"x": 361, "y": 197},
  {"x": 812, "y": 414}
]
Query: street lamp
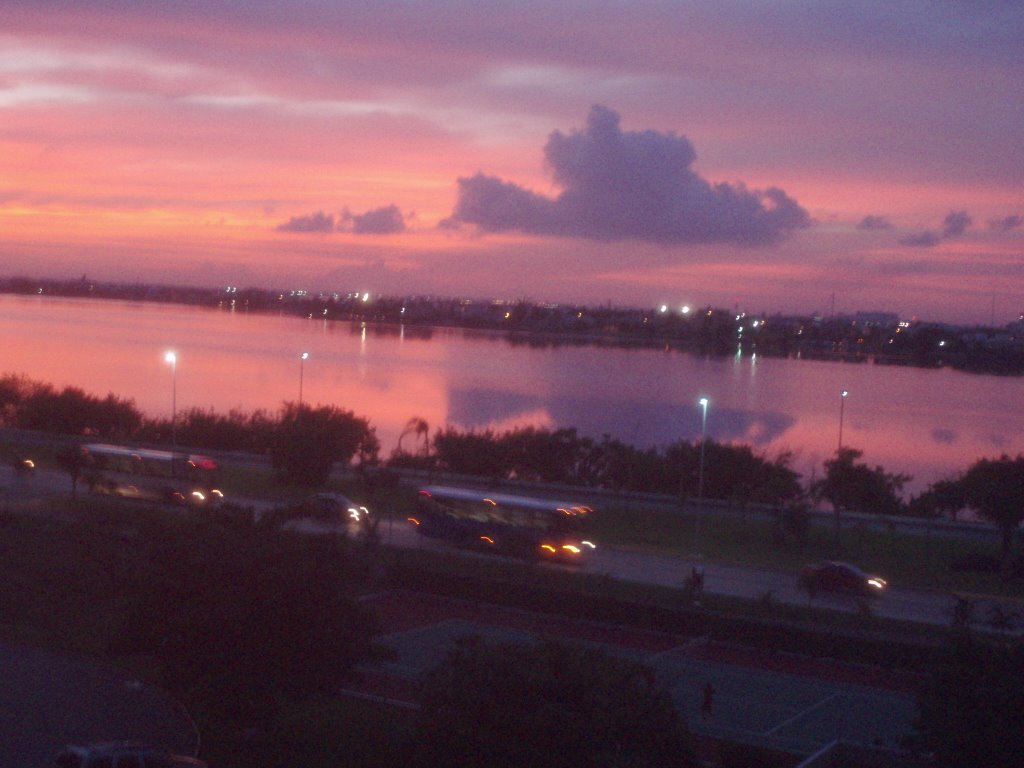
[
  {"x": 302, "y": 363},
  {"x": 703, "y": 402},
  {"x": 842, "y": 400},
  {"x": 172, "y": 358}
]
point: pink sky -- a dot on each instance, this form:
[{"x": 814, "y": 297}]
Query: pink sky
[{"x": 574, "y": 151}]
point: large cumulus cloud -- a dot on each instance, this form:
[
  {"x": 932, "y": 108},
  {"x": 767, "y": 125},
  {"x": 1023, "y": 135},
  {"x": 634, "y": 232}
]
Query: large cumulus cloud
[{"x": 619, "y": 185}]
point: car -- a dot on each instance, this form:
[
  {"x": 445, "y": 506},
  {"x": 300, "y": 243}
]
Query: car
[
  {"x": 23, "y": 466},
  {"x": 330, "y": 506},
  {"x": 122, "y": 754},
  {"x": 833, "y": 576}
]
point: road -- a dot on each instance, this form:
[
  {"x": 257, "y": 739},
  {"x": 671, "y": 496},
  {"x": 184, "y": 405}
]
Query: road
[
  {"x": 932, "y": 607},
  {"x": 914, "y": 605}
]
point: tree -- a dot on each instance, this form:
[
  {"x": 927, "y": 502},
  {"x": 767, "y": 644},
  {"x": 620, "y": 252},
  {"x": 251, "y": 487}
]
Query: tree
[
  {"x": 307, "y": 442},
  {"x": 71, "y": 459},
  {"x": 851, "y": 486},
  {"x": 472, "y": 453},
  {"x": 546, "y": 705},
  {"x": 418, "y": 427},
  {"x": 546, "y": 456},
  {"x": 73, "y": 412},
  {"x": 419, "y": 459},
  {"x": 238, "y": 617},
  {"x": 972, "y": 712},
  {"x": 994, "y": 488},
  {"x": 942, "y": 497}
]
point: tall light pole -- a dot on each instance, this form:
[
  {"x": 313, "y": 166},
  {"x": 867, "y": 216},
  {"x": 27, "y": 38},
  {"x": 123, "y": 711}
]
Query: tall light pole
[
  {"x": 842, "y": 400},
  {"x": 703, "y": 402},
  {"x": 172, "y": 358},
  {"x": 302, "y": 364}
]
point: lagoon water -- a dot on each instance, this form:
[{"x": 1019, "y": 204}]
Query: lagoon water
[{"x": 929, "y": 424}]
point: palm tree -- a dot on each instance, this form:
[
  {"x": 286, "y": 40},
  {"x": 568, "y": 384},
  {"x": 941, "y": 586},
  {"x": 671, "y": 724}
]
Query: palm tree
[{"x": 420, "y": 428}]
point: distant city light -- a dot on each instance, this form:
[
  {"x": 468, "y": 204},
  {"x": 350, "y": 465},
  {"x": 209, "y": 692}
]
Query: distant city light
[
  {"x": 686, "y": 309},
  {"x": 366, "y": 297},
  {"x": 663, "y": 308}
]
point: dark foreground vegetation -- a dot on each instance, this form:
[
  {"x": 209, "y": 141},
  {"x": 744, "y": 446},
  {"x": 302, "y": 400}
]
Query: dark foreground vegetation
[{"x": 256, "y": 630}]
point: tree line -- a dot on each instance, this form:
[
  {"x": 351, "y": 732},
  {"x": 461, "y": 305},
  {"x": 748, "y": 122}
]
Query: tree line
[{"x": 305, "y": 442}]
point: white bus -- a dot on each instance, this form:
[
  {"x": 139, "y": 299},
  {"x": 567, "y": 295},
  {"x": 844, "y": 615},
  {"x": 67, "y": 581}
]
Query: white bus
[
  {"x": 151, "y": 475},
  {"x": 516, "y": 525}
]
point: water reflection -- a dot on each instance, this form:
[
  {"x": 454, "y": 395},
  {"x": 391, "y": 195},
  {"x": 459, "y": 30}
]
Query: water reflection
[
  {"x": 926, "y": 423},
  {"x": 639, "y": 422}
]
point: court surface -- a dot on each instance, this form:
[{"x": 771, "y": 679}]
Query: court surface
[{"x": 780, "y": 701}]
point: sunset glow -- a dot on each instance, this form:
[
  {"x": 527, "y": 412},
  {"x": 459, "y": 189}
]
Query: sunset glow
[{"x": 717, "y": 153}]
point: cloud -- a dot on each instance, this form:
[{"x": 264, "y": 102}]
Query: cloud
[
  {"x": 620, "y": 185},
  {"x": 314, "y": 222},
  {"x": 921, "y": 240},
  {"x": 387, "y": 220},
  {"x": 1006, "y": 224},
  {"x": 874, "y": 222},
  {"x": 954, "y": 225}
]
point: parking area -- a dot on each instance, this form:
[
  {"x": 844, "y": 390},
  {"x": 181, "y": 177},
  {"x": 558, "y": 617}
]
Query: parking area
[{"x": 48, "y": 700}]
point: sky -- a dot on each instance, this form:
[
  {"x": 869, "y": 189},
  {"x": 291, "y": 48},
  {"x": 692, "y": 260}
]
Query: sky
[{"x": 773, "y": 157}]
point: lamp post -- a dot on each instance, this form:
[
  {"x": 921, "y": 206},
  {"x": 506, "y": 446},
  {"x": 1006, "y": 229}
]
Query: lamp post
[
  {"x": 842, "y": 400},
  {"x": 302, "y": 363},
  {"x": 703, "y": 402},
  {"x": 172, "y": 358}
]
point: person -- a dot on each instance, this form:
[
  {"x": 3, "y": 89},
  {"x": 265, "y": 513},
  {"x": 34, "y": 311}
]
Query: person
[
  {"x": 709, "y": 700},
  {"x": 697, "y": 580}
]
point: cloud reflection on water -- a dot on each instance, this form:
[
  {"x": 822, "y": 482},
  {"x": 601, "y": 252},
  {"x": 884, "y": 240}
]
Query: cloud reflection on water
[{"x": 639, "y": 422}]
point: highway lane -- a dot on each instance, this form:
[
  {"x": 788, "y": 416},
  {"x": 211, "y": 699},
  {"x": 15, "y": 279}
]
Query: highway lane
[
  {"x": 914, "y": 605},
  {"x": 932, "y": 607}
]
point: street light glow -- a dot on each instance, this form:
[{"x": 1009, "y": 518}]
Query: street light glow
[
  {"x": 302, "y": 364},
  {"x": 171, "y": 358},
  {"x": 842, "y": 401},
  {"x": 703, "y": 402}
]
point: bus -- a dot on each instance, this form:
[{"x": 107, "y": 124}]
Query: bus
[
  {"x": 515, "y": 525},
  {"x": 151, "y": 475}
]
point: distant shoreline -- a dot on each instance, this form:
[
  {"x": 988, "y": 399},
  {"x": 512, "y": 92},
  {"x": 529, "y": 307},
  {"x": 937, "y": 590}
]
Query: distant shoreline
[{"x": 714, "y": 332}]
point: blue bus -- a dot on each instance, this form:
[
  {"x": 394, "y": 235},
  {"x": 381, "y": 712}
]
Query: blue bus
[{"x": 521, "y": 526}]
